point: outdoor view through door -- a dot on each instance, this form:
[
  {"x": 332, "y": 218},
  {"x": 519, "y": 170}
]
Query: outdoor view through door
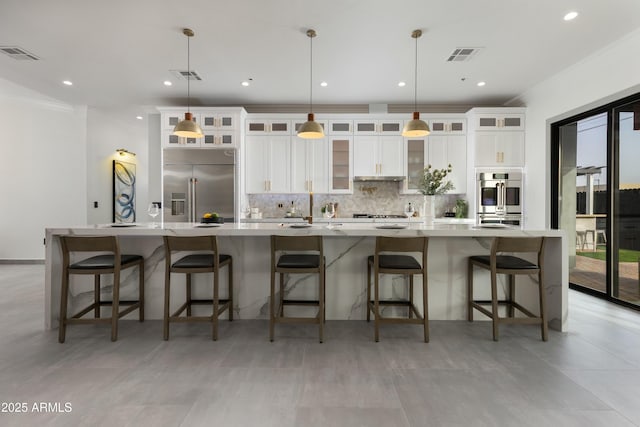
[{"x": 597, "y": 198}]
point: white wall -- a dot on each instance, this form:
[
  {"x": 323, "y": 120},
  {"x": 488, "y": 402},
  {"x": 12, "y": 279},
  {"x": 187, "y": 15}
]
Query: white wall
[
  {"x": 42, "y": 169},
  {"x": 606, "y": 75}
]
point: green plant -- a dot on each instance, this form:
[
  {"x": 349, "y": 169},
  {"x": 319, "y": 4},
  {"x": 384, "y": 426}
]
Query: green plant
[{"x": 432, "y": 181}]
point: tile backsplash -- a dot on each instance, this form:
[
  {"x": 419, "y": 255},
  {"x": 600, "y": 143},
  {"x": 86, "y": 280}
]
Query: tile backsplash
[{"x": 375, "y": 197}]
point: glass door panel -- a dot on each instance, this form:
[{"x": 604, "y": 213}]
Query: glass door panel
[{"x": 626, "y": 257}]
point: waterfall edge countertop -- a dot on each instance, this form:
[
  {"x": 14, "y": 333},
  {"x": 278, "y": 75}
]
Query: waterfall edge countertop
[{"x": 346, "y": 248}]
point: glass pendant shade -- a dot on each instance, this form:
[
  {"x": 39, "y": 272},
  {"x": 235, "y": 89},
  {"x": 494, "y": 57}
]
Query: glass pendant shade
[
  {"x": 188, "y": 128},
  {"x": 311, "y": 129},
  {"x": 416, "y": 127}
]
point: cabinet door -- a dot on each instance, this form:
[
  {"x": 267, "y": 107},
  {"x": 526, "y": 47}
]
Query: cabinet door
[
  {"x": 169, "y": 140},
  {"x": 365, "y": 127},
  {"x": 219, "y": 139},
  {"x": 510, "y": 146},
  {"x": 340, "y": 127},
  {"x": 218, "y": 121},
  {"x": 256, "y": 175},
  {"x": 340, "y": 164},
  {"x": 268, "y": 127},
  {"x": 500, "y": 121},
  {"x": 391, "y": 156},
  {"x": 390, "y": 127},
  {"x": 318, "y": 165},
  {"x": 365, "y": 159},
  {"x": 299, "y": 168},
  {"x": 416, "y": 154},
  {"x": 279, "y": 158},
  {"x": 447, "y": 126},
  {"x": 457, "y": 158}
]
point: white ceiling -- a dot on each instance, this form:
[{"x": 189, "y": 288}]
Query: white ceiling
[{"x": 118, "y": 53}]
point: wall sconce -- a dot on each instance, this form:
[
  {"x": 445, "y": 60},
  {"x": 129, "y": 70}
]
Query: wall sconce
[{"x": 124, "y": 152}]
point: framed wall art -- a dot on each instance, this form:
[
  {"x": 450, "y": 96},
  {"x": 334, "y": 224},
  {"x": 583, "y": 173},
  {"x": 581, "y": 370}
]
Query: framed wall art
[{"x": 124, "y": 192}]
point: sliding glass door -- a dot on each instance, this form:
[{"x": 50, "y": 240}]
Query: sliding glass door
[{"x": 596, "y": 198}]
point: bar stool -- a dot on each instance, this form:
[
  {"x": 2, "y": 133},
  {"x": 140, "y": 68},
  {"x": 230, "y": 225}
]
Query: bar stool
[
  {"x": 386, "y": 260},
  {"x": 208, "y": 260},
  {"x": 307, "y": 257},
  {"x": 97, "y": 265},
  {"x": 512, "y": 266}
]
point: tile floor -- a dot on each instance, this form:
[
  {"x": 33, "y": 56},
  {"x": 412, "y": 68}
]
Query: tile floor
[{"x": 589, "y": 376}]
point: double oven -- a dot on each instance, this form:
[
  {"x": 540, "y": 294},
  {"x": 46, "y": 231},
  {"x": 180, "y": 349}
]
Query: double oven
[{"x": 499, "y": 198}]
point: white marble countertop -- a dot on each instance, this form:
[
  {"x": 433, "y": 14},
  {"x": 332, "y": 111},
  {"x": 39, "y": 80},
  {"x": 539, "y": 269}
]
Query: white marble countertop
[{"x": 368, "y": 228}]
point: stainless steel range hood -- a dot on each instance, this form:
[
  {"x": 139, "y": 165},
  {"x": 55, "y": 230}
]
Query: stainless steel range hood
[{"x": 379, "y": 178}]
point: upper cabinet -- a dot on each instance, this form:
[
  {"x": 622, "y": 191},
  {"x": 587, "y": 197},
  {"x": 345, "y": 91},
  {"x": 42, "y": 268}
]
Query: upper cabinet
[
  {"x": 221, "y": 128},
  {"x": 309, "y": 166},
  {"x": 341, "y": 164},
  {"x": 268, "y": 164},
  {"x": 498, "y": 136},
  {"x": 268, "y": 126},
  {"x": 378, "y": 156},
  {"x": 450, "y": 150},
  {"x": 340, "y": 127},
  {"x": 448, "y": 126},
  {"x": 377, "y": 127}
]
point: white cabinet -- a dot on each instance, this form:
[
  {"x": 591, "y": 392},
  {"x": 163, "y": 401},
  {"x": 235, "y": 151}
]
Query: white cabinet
[
  {"x": 221, "y": 129},
  {"x": 377, "y": 127},
  {"x": 341, "y": 127},
  {"x": 309, "y": 165},
  {"x": 506, "y": 121},
  {"x": 268, "y": 164},
  {"x": 268, "y": 126},
  {"x": 451, "y": 150},
  {"x": 378, "y": 156},
  {"x": 499, "y": 148},
  {"x": 340, "y": 164},
  {"x": 448, "y": 126},
  {"x": 416, "y": 154}
]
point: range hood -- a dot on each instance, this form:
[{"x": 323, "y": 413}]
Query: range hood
[{"x": 378, "y": 178}]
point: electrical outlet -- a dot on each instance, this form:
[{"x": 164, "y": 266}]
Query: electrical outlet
[{"x": 280, "y": 205}]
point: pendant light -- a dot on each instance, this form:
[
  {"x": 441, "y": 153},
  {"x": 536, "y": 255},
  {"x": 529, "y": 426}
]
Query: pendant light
[
  {"x": 416, "y": 127},
  {"x": 311, "y": 129},
  {"x": 188, "y": 128}
]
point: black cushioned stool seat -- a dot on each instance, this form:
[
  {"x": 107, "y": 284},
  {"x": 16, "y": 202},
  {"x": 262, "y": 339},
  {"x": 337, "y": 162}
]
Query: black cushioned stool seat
[
  {"x": 207, "y": 260},
  {"x": 291, "y": 255},
  {"x": 511, "y": 265},
  {"x": 383, "y": 262},
  {"x": 97, "y": 265}
]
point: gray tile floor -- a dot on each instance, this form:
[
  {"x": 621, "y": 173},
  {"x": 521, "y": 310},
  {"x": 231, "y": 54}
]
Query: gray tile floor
[{"x": 589, "y": 376}]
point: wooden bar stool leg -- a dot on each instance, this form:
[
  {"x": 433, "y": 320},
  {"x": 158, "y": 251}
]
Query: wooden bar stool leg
[
  {"x": 410, "y": 296},
  {"x": 376, "y": 306},
  {"x": 425, "y": 305},
  {"x": 115, "y": 306},
  {"x": 321, "y": 305},
  {"x": 470, "y": 291},
  {"x": 494, "y": 304},
  {"x": 512, "y": 294},
  {"x": 543, "y": 308},
  {"x": 167, "y": 293},
  {"x": 188, "y": 284},
  {"x": 141, "y": 291},
  {"x": 214, "y": 321},
  {"x": 368, "y": 291},
  {"x": 281, "y": 309},
  {"x": 230, "y": 267},
  {"x": 96, "y": 296},
  {"x": 272, "y": 301},
  {"x": 63, "y": 307}
]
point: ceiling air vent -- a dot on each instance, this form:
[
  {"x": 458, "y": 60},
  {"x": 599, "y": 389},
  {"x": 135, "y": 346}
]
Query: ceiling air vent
[
  {"x": 18, "y": 53},
  {"x": 461, "y": 54},
  {"x": 186, "y": 75}
]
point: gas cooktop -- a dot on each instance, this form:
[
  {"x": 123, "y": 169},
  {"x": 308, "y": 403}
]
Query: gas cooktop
[{"x": 357, "y": 215}]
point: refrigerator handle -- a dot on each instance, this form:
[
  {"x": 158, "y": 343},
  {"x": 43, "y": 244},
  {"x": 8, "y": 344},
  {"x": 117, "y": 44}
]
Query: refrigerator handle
[{"x": 192, "y": 199}]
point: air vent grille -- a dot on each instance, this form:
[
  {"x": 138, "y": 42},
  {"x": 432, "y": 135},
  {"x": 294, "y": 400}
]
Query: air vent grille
[
  {"x": 18, "y": 53},
  {"x": 186, "y": 75},
  {"x": 461, "y": 54}
]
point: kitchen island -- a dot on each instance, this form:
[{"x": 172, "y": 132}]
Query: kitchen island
[{"x": 346, "y": 248}]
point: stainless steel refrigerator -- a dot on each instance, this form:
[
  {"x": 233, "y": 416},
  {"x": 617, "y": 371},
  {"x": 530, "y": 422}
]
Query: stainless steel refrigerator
[{"x": 196, "y": 182}]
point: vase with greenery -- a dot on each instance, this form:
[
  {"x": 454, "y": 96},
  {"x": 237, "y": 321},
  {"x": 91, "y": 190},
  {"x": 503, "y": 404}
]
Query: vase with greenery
[{"x": 433, "y": 183}]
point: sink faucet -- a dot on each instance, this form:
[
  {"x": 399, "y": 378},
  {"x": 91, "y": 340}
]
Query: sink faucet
[{"x": 310, "y": 217}]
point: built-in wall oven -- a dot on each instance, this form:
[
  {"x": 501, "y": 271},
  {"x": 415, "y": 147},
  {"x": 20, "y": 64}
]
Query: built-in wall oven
[{"x": 499, "y": 198}]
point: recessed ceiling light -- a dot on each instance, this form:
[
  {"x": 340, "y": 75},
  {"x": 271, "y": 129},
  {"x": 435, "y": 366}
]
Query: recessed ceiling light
[
  {"x": 167, "y": 83},
  {"x": 139, "y": 117},
  {"x": 324, "y": 84},
  {"x": 67, "y": 82},
  {"x": 402, "y": 84},
  {"x": 570, "y": 16},
  {"x": 245, "y": 83},
  {"x": 481, "y": 84}
]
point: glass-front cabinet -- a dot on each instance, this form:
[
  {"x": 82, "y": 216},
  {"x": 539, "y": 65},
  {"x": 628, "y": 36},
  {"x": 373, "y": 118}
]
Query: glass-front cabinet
[
  {"x": 340, "y": 164},
  {"x": 416, "y": 159}
]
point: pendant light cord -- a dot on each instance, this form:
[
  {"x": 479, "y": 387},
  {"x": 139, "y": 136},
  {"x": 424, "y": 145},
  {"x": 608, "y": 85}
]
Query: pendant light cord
[
  {"x": 188, "y": 75},
  {"x": 311, "y": 75},
  {"x": 415, "y": 81}
]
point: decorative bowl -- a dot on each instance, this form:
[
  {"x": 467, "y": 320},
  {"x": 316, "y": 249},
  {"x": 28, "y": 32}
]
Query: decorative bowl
[{"x": 212, "y": 220}]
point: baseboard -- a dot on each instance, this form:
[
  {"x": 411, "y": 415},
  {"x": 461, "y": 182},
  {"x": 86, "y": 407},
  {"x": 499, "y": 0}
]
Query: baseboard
[{"x": 21, "y": 261}]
